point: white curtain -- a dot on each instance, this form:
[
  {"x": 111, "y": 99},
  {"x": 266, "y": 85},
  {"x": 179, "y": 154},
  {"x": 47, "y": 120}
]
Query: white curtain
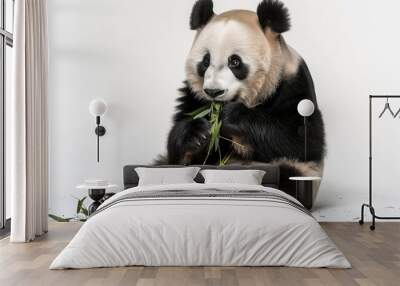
[{"x": 28, "y": 122}]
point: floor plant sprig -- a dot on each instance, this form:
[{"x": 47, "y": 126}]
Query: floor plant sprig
[{"x": 82, "y": 212}]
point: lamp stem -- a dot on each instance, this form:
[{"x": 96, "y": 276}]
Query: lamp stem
[
  {"x": 98, "y": 124},
  {"x": 98, "y": 146},
  {"x": 305, "y": 138}
]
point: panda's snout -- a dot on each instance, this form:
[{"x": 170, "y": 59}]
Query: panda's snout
[{"x": 213, "y": 92}]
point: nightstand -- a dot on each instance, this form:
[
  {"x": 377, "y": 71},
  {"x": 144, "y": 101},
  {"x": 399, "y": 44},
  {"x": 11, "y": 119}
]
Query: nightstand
[
  {"x": 304, "y": 189},
  {"x": 97, "y": 193}
]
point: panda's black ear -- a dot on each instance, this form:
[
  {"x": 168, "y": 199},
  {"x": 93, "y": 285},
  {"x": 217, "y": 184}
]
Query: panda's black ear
[
  {"x": 202, "y": 12},
  {"x": 274, "y": 15}
]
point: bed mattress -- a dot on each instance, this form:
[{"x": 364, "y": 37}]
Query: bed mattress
[{"x": 201, "y": 225}]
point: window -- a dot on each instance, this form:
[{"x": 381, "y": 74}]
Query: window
[{"x": 6, "y": 44}]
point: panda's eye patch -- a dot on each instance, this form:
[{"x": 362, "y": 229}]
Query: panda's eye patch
[
  {"x": 206, "y": 60},
  {"x": 203, "y": 65},
  {"x": 234, "y": 61},
  {"x": 238, "y": 67}
]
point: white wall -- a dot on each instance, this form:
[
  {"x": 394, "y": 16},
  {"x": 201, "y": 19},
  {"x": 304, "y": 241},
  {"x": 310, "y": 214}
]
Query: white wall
[{"x": 132, "y": 53}]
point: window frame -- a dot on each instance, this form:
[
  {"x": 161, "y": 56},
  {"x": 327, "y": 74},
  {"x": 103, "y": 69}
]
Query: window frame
[{"x": 6, "y": 39}]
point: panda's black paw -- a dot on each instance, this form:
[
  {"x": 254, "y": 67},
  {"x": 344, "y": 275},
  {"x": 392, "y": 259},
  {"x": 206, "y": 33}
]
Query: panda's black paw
[
  {"x": 196, "y": 136},
  {"x": 187, "y": 140}
]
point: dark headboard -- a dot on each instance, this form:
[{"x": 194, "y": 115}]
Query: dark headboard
[{"x": 271, "y": 177}]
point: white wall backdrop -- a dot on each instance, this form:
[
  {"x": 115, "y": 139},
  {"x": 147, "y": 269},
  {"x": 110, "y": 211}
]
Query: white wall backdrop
[{"x": 132, "y": 53}]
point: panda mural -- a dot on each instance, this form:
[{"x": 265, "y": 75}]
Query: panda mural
[{"x": 240, "y": 59}]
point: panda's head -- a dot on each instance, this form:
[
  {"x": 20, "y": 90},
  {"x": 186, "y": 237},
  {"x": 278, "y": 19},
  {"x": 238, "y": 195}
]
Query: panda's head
[{"x": 239, "y": 55}]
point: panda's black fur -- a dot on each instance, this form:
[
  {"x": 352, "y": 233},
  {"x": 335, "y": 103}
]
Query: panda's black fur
[
  {"x": 202, "y": 12},
  {"x": 273, "y": 14},
  {"x": 272, "y": 130}
]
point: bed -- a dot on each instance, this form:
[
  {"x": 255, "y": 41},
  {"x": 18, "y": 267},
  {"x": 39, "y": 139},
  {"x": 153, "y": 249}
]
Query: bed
[{"x": 197, "y": 224}]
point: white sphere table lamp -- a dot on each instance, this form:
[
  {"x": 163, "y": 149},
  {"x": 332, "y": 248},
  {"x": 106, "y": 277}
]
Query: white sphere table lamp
[
  {"x": 98, "y": 108},
  {"x": 305, "y": 108}
]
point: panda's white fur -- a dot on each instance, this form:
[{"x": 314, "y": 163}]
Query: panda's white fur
[
  {"x": 270, "y": 59},
  {"x": 259, "y": 110},
  {"x": 238, "y": 32}
]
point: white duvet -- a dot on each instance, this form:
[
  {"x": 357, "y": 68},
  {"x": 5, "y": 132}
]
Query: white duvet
[{"x": 200, "y": 231}]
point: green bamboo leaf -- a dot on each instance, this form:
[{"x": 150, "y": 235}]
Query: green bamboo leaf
[
  {"x": 214, "y": 130},
  {"x": 212, "y": 141},
  {"x": 60, "y": 219},
  {"x": 198, "y": 110},
  {"x": 216, "y": 145},
  {"x": 202, "y": 114},
  {"x": 213, "y": 111},
  {"x": 217, "y": 107},
  {"x": 219, "y": 125},
  {"x": 210, "y": 147},
  {"x": 79, "y": 205},
  {"x": 84, "y": 211},
  {"x": 218, "y": 128},
  {"x": 225, "y": 160},
  {"x": 215, "y": 137}
]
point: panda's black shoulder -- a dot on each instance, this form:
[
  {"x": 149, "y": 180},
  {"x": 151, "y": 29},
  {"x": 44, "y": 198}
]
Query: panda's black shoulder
[
  {"x": 292, "y": 89},
  {"x": 301, "y": 78},
  {"x": 304, "y": 81},
  {"x": 187, "y": 102}
]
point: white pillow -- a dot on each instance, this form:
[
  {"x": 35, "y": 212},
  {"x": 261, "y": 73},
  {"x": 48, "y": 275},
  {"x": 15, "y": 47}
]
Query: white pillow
[
  {"x": 166, "y": 176},
  {"x": 248, "y": 177}
]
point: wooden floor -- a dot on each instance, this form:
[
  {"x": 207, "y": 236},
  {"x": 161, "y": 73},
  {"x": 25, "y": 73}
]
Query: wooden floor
[{"x": 375, "y": 257}]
